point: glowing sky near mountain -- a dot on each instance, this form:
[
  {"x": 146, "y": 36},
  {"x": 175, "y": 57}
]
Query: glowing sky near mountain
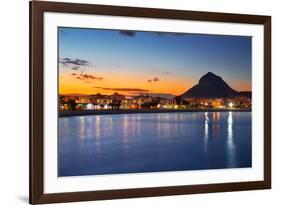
[{"x": 129, "y": 62}]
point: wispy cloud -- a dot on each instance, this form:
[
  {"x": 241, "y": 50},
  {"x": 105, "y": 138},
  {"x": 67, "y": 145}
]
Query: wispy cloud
[
  {"x": 90, "y": 77},
  {"x": 75, "y": 67},
  {"x": 155, "y": 79},
  {"x": 123, "y": 89},
  {"x": 74, "y": 64},
  {"x": 86, "y": 78}
]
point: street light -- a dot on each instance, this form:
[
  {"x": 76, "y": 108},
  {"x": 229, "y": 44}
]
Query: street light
[{"x": 230, "y": 104}]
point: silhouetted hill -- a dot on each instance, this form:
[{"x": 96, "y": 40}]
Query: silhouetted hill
[
  {"x": 211, "y": 86},
  {"x": 247, "y": 94}
]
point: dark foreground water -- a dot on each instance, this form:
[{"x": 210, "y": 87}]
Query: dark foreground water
[{"x": 131, "y": 143}]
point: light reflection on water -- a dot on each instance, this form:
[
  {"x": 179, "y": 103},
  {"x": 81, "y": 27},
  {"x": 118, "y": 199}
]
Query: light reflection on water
[
  {"x": 154, "y": 142},
  {"x": 206, "y": 133},
  {"x": 230, "y": 141}
]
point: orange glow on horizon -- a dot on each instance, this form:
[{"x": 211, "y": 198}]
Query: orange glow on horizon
[
  {"x": 239, "y": 85},
  {"x": 69, "y": 84},
  {"x": 167, "y": 84}
]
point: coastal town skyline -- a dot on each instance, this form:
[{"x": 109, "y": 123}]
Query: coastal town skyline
[
  {"x": 211, "y": 92},
  {"x": 135, "y": 62}
]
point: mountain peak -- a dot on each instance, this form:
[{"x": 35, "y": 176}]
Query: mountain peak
[
  {"x": 208, "y": 77},
  {"x": 210, "y": 74},
  {"x": 210, "y": 85}
]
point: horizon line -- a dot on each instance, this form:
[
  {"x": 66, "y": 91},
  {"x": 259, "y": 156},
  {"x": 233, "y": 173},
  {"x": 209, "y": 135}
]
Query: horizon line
[{"x": 130, "y": 94}]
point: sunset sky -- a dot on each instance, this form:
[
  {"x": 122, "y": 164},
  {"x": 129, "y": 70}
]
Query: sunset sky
[{"x": 106, "y": 61}]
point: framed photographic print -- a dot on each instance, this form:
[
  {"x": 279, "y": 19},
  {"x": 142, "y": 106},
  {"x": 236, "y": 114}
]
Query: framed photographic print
[{"x": 138, "y": 102}]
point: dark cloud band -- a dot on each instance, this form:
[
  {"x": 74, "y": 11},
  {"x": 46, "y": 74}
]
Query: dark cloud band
[
  {"x": 128, "y": 33},
  {"x": 123, "y": 89},
  {"x": 133, "y": 33}
]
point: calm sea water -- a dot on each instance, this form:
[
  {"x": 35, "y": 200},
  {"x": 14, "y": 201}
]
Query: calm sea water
[{"x": 132, "y": 143}]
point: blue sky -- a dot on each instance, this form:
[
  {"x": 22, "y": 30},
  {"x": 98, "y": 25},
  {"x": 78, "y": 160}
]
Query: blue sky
[{"x": 169, "y": 56}]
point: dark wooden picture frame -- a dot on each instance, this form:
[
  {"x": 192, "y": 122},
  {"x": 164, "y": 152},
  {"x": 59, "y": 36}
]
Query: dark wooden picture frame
[{"x": 37, "y": 9}]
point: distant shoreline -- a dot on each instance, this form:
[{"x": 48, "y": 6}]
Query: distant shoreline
[{"x": 70, "y": 113}]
